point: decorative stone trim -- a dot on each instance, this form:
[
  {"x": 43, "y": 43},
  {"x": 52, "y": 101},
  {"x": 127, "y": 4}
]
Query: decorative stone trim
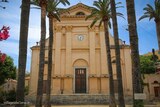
[
  {"x": 58, "y": 28},
  {"x": 104, "y": 76},
  {"x": 69, "y": 28},
  {"x": 68, "y": 76},
  {"x": 91, "y": 29},
  {"x": 101, "y": 28},
  {"x": 73, "y": 16},
  {"x": 92, "y": 75},
  {"x": 56, "y": 76}
]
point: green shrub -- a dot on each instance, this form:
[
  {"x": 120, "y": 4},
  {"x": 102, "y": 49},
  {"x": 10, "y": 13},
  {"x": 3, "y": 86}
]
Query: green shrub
[{"x": 7, "y": 96}]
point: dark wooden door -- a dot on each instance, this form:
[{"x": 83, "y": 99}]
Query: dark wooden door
[
  {"x": 157, "y": 91},
  {"x": 80, "y": 80}
]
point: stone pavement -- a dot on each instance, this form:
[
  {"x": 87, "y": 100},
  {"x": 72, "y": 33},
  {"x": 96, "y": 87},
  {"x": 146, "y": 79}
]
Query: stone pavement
[
  {"x": 85, "y": 106},
  {"x": 97, "y": 106}
]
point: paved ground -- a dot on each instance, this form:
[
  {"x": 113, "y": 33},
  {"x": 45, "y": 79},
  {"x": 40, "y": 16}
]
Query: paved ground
[
  {"x": 86, "y": 106},
  {"x": 97, "y": 106}
]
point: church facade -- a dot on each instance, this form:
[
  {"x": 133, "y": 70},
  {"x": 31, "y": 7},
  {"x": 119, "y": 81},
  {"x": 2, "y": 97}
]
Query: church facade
[{"x": 79, "y": 57}]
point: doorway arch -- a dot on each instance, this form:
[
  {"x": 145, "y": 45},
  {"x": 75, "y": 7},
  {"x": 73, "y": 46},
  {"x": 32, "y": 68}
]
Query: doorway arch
[{"x": 80, "y": 81}]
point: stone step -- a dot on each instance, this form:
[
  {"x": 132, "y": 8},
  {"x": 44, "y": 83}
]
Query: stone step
[{"x": 77, "y": 99}]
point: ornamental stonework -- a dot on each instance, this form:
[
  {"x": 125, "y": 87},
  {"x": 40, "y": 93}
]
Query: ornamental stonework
[
  {"x": 58, "y": 28},
  {"x": 101, "y": 28},
  {"x": 91, "y": 28},
  {"x": 69, "y": 28}
]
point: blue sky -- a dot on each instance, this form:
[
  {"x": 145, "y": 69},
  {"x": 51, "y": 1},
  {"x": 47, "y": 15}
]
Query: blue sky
[{"x": 11, "y": 17}]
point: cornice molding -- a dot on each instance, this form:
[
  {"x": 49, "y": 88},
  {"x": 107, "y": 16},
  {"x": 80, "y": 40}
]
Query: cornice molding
[{"x": 73, "y": 16}]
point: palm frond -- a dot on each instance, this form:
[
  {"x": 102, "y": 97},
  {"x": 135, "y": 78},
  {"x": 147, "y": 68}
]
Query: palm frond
[
  {"x": 52, "y": 7},
  {"x": 120, "y": 15},
  {"x": 151, "y": 12},
  {"x": 94, "y": 21},
  {"x": 93, "y": 14},
  {"x": 34, "y": 2},
  {"x": 101, "y": 11},
  {"x": 144, "y": 16},
  {"x": 118, "y": 3},
  {"x": 64, "y": 2},
  {"x": 35, "y": 8},
  {"x": 57, "y": 17},
  {"x": 149, "y": 8},
  {"x": 100, "y": 23}
]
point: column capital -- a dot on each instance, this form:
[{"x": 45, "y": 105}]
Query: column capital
[
  {"x": 101, "y": 28},
  {"x": 91, "y": 28},
  {"x": 58, "y": 28},
  {"x": 69, "y": 28}
]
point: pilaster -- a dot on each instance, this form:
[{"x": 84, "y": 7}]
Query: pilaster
[
  {"x": 104, "y": 67},
  {"x": 92, "y": 53},
  {"x": 68, "y": 50},
  {"x": 57, "y": 71}
]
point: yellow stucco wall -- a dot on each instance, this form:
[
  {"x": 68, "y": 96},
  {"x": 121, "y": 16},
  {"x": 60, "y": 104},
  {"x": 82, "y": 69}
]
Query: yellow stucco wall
[
  {"x": 150, "y": 81},
  {"x": 149, "y": 88},
  {"x": 89, "y": 52}
]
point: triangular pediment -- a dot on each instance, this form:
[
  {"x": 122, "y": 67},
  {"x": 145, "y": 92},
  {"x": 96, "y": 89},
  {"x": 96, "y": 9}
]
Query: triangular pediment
[{"x": 75, "y": 9}]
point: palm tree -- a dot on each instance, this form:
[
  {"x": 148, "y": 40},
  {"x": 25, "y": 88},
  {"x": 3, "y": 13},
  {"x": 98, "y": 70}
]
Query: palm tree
[
  {"x": 136, "y": 75},
  {"x": 25, "y": 11},
  {"x": 102, "y": 13},
  {"x": 53, "y": 12},
  {"x": 153, "y": 13},
  {"x": 117, "y": 51},
  {"x": 43, "y": 5}
]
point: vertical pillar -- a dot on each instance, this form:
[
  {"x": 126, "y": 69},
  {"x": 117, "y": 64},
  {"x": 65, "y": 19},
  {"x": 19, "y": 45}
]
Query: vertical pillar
[
  {"x": 58, "y": 50},
  {"x": 68, "y": 50},
  {"x": 92, "y": 50},
  {"x": 93, "y": 88},
  {"x": 68, "y": 82},
  {"x": 104, "y": 67}
]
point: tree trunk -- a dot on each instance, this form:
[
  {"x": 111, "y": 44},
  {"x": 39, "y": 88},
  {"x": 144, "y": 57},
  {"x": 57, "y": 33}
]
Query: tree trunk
[
  {"x": 48, "y": 90},
  {"x": 136, "y": 75},
  {"x": 158, "y": 32},
  {"x": 121, "y": 102},
  {"x": 25, "y": 11},
  {"x": 112, "y": 102},
  {"x": 39, "y": 97}
]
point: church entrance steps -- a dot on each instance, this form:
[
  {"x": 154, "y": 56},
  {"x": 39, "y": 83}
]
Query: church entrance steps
[{"x": 78, "y": 99}]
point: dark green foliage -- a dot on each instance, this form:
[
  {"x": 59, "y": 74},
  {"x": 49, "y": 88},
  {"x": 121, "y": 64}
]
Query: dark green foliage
[
  {"x": 152, "y": 12},
  {"x": 2, "y": 98},
  {"x": 7, "y": 70},
  {"x": 138, "y": 103},
  {"x": 11, "y": 95},
  {"x": 147, "y": 65},
  {"x": 7, "y": 96},
  {"x": 26, "y": 90}
]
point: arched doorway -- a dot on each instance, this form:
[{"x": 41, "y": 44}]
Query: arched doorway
[{"x": 80, "y": 76}]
